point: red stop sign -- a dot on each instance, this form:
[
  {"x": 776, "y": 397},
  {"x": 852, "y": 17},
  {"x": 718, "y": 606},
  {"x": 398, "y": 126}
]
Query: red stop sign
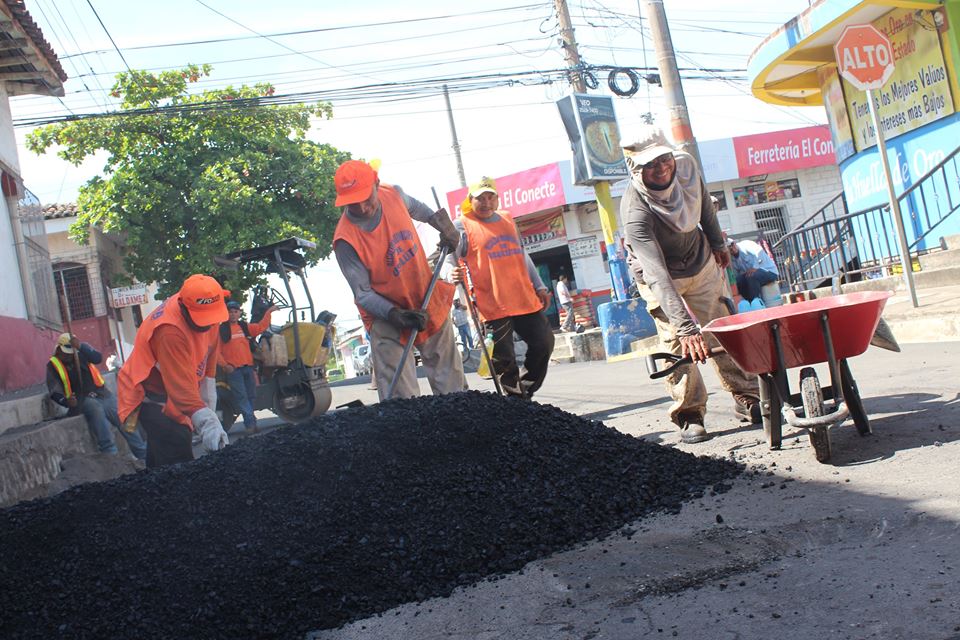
[{"x": 864, "y": 56}]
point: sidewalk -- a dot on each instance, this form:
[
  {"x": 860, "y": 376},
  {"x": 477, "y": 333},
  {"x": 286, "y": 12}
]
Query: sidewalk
[{"x": 935, "y": 320}]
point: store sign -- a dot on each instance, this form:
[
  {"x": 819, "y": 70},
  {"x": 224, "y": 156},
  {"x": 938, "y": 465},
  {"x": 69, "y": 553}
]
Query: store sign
[
  {"x": 544, "y": 231},
  {"x": 836, "y": 106},
  {"x": 128, "y": 296},
  {"x": 522, "y": 193},
  {"x": 918, "y": 90},
  {"x": 783, "y": 151},
  {"x": 586, "y": 247}
]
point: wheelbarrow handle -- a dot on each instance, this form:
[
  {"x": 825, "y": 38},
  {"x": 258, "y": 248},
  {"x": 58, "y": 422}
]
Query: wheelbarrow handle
[{"x": 675, "y": 362}]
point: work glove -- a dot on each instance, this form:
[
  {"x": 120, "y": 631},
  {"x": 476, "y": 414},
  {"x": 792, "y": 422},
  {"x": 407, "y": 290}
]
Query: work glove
[
  {"x": 208, "y": 391},
  {"x": 407, "y": 318},
  {"x": 449, "y": 236},
  {"x": 207, "y": 424}
]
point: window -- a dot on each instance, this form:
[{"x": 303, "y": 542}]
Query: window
[
  {"x": 772, "y": 191},
  {"x": 721, "y": 198},
  {"x": 137, "y": 315},
  {"x": 72, "y": 281}
]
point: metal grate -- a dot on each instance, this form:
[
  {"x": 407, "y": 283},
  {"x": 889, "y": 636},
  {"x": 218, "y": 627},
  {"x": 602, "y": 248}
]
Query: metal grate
[
  {"x": 47, "y": 308},
  {"x": 772, "y": 225},
  {"x": 73, "y": 282}
]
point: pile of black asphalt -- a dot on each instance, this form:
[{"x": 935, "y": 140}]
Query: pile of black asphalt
[{"x": 309, "y": 527}]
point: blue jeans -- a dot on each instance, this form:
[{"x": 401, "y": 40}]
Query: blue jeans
[
  {"x": 100, "y": 414},
  {"x": 244, "y": 388},
  {"x": 465, "y": 338}
]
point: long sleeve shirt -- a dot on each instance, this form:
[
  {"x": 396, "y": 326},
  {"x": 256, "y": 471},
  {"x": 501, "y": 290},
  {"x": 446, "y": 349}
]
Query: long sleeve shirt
[
  {"x": 461, "y": 251},
  {"x": 170, "y": 377},
  {"x": 80, "y": 385},
  {"x": 752, "y": 256},
  {"x": 356, "y": 273},
  {"x": 657, "y": 253}
]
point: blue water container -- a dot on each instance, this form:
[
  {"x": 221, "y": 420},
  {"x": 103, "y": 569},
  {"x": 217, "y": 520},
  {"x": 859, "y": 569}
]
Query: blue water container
[{"x": 622, "y": 322}]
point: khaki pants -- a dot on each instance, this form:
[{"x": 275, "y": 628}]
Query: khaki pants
[
  {"x": 439, "y": 353},
  {"x": 702, "y": 294}
]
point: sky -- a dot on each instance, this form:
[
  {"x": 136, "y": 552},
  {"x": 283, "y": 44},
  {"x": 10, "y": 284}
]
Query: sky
[{"x": 380, "y": 68}]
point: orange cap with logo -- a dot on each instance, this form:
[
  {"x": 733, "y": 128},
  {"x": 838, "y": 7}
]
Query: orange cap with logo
[
  {"x": 204, "y": 299},
  {"x": 354, "y": 181}
]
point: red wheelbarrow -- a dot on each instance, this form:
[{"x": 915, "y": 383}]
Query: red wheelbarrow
[{"x": 767, "y": 342}]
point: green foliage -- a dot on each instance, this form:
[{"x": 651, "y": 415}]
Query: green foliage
[{"x": 187, "y": 185}]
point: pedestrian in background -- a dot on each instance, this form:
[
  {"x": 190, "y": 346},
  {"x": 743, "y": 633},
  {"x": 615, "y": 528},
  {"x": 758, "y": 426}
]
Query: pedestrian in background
[
  {"x": 168, "y": 384},
  {"x": 510, "y": 295},
  {"x": 677, "y": 255},
  {"x": 75, "y": 383},
  {"x": 236, "y": 358},
  {"x": 754, "y": 267},
  {"x": 383, "y": 260},
  {"x": 566, "y": 301},
  {"x": 461, "y": 320}
]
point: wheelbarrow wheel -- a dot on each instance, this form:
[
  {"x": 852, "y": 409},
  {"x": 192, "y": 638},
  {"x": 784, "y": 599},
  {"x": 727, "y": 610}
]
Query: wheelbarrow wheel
[
  {"x": 851, "y": 394},
  {"x": 812, "y": 396}
]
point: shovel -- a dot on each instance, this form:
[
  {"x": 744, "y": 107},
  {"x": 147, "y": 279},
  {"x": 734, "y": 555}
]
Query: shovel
[{"x": 413, "y": 332}]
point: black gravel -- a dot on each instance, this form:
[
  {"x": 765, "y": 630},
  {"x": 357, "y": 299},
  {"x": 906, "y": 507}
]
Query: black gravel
[{"x": 309, "y": 527}]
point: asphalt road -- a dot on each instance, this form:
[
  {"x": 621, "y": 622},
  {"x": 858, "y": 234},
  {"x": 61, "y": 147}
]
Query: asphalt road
[{"x": 864, "y": 547}]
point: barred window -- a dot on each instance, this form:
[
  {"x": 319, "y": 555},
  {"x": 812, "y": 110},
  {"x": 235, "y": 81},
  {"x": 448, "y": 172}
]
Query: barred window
[{"x": 73, "y": 282}]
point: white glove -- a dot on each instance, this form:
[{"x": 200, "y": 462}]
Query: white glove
[
  {"x": 207, "y": 424},
  {"x": 208, "y": 392}
]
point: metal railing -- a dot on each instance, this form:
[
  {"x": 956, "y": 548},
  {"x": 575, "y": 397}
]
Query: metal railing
[{"x": 863, "y": 244}]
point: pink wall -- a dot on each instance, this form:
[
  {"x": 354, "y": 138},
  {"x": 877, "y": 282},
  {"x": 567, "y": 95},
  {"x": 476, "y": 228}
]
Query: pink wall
[
  {"x": 24, "y": 352},
  {"x": 26, "y": 348}
]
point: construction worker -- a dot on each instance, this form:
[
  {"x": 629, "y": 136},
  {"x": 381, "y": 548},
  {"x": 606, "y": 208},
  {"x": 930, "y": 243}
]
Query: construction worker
[
  {"x": 383, "y": 260},
  {"x": 236, "y": 359},
  {"x": 677, "y": 255},
  {"x": 509, "y": 292},
  {"x": 168, "y": 384},
  {"x": 74, "y": 382}
]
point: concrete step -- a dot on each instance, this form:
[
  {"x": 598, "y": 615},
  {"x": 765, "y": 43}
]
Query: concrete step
[
  {"x": 30, "y": 408},
  {"x": 950, "y": 242},
  {"x": 927, "y": 279},
  {"x": 940, "y": 260}
]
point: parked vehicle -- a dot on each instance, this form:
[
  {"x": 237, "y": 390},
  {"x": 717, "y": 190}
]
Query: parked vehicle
[{"x": 361, "y": 360}]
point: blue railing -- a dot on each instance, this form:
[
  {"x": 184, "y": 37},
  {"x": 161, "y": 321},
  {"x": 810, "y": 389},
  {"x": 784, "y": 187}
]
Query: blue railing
[{"x": 863, "y": 244}]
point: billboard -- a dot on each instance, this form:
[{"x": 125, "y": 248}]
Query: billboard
[{"x": 591, "y": 124}]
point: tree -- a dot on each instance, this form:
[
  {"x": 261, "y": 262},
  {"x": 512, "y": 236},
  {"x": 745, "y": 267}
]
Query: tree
[{"x": 192, "y": 176}]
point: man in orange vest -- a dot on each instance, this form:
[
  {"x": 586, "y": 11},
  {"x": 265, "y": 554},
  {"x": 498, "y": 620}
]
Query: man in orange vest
[
  {"x": 74, "y": 382},
  {"x": 510, "y": 294},
  {"x": 382, "y": 258},
  {"x": 168, "y": 384},
  {"x": 236, "y": 358}
]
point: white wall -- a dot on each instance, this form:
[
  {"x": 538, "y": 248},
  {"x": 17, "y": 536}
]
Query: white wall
[
  {"x": 8, "y": 140},
  {"x": 12, "y": 302},
  {"x": 588, "y": 272}
]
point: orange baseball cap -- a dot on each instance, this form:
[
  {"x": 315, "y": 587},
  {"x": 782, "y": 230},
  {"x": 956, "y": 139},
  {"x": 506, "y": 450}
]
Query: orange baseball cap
[
  {"x": 354, "y": 181},
  {"x": 204, "y": 299}
]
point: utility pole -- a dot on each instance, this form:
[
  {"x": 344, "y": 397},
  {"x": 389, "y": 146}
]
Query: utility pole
[
  {"x": 569, "y": 43},
  {"x": 680, "y": 129},
  {"x": 453, "y": 133},
  {"x": 601, "y": 188}
]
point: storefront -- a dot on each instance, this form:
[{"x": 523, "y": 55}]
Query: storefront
[
  {"x": 917, "y": 106},
  {"x": 559, "y": 227}
]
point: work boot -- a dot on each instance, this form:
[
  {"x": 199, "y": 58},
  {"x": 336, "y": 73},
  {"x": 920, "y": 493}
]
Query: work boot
[
  {"x": 747, "y": 408},
  {"x": 692, "y": 430}
]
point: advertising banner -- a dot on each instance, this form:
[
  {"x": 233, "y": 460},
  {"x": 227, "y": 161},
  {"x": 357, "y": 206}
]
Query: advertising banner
[
  {"x": 784, "y": 151},
  {"x": 917, "y": 93},
  {"x": 585, "y": 247},
  {"x": 543, "y": 231},
  {"x": 521, "y": 193},
  {"x": 836, "y": 107},
  {"x": 591, "y": 125}
]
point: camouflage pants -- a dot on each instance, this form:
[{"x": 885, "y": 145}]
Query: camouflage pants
[{"x": 702, "y": 293}]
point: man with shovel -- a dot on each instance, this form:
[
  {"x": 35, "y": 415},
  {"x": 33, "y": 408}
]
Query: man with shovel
[
  {"x": 510, "y": 294},
  {"x": 383, "y": 260}
]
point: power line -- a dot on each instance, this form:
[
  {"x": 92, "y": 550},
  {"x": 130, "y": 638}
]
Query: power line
[{"x": 106, "y": 31}]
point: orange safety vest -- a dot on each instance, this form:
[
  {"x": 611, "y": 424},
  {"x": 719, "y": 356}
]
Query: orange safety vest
[
  {"x": 65, "y": 378},
  {"x": 394, "y": 256},
  {"x": 498, "y": 268},
  {"x": 142, "y": 360}
]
